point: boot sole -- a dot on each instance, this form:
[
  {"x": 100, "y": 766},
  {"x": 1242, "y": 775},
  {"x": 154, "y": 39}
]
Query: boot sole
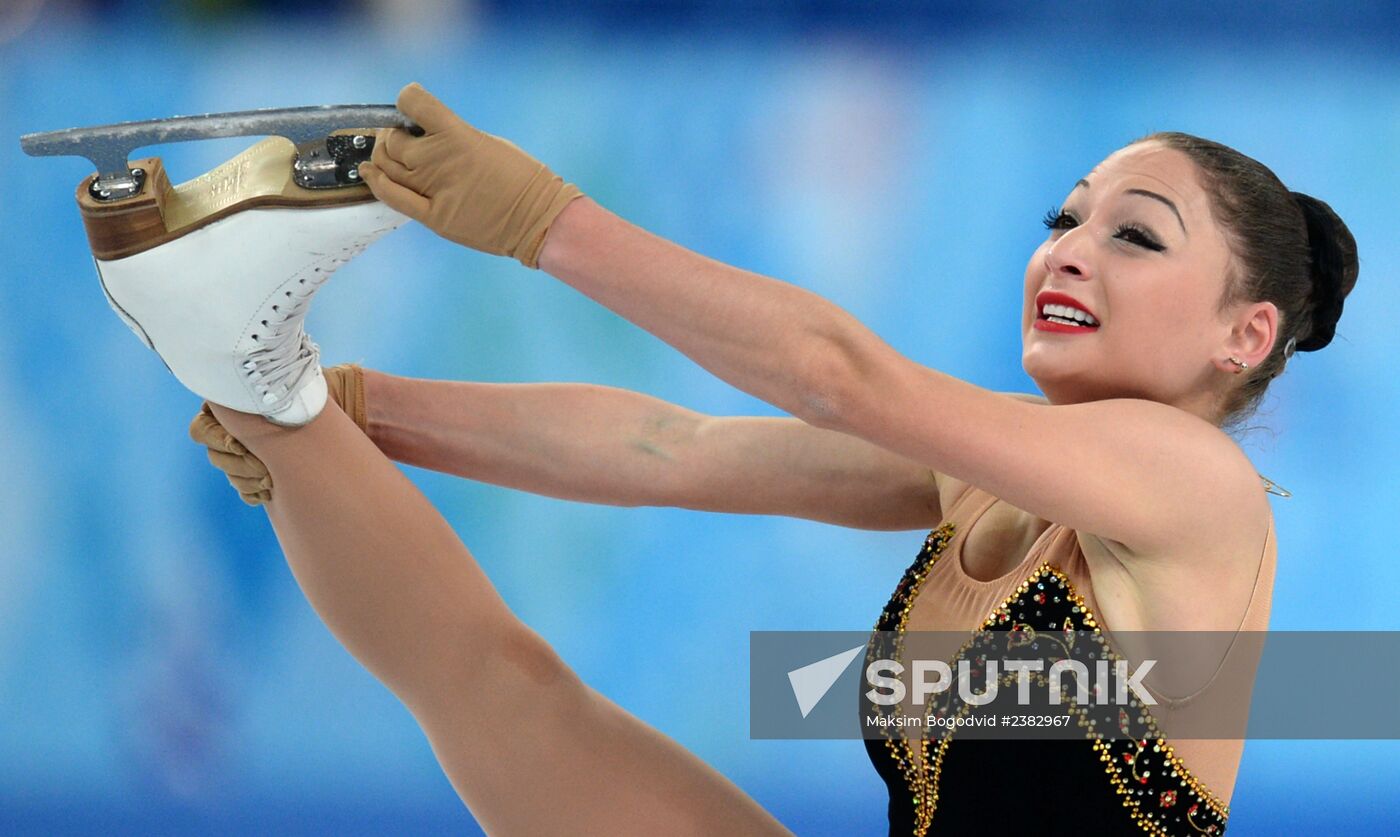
[{"x": 259, "y": 177}]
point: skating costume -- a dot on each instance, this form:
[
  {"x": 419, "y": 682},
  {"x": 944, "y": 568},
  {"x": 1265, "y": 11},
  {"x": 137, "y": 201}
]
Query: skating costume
[{"x": 1092, "y": 786}]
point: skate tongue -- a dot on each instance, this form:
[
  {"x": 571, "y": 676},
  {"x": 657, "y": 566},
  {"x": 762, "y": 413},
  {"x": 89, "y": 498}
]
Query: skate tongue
[{"x": 109, "y": 146}]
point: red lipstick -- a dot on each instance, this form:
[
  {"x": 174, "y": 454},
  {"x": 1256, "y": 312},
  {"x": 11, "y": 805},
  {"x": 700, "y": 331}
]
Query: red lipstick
[{"x": 1045, "y": 298}]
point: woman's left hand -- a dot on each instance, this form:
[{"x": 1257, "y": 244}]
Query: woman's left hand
[
  {"x": 466, "y": 185},
  {"x": 246, "y": 473}
]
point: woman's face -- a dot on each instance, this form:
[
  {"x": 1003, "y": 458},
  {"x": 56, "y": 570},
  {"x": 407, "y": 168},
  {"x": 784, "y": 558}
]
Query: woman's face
[{"x": 1136, "y": 246}]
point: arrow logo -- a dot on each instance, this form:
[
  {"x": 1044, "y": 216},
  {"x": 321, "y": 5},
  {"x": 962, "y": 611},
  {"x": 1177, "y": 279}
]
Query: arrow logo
[{"x": 811, "y": 682}]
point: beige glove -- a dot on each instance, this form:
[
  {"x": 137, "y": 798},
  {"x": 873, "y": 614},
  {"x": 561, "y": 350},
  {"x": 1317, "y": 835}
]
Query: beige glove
[
  {"x": 466, "y": 185},
  {"x": 247, "y": 473}
]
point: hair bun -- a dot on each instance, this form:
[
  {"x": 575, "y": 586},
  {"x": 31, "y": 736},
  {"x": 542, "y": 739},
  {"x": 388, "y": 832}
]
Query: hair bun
[{"x": 1334, "y": 269}]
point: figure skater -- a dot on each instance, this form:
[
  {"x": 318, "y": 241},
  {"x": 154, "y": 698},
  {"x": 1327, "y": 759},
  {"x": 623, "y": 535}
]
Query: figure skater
[{"x": 1174, "y": 283}]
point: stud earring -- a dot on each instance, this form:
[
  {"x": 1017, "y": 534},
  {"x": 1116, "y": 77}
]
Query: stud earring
[{"x": 1239, "y": 363}]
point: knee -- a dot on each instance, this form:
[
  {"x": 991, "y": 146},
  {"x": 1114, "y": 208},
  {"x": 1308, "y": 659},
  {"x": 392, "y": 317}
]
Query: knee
[
  {"x": 513, "y": 665},
  {"x": 492, "y": 674},
  {"x": 523, "y": 659}
]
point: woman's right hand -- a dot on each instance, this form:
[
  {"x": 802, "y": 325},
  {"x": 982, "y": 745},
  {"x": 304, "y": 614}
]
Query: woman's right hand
[{"x": 464, "y": 184}]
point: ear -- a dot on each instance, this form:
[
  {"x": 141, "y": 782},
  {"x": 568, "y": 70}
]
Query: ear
[{"x": 1255, "y": 328}]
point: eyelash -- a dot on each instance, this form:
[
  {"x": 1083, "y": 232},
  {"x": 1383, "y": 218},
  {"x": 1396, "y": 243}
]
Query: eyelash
[{"x": 1055, "y": 220}]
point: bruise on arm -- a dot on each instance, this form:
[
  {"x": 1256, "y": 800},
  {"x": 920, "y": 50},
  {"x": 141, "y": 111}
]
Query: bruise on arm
[{"x": 662, "y": 432}]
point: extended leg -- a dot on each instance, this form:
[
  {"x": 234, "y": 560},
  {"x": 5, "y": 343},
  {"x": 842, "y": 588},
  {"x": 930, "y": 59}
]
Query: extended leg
[{"x": 528, "y": 746}]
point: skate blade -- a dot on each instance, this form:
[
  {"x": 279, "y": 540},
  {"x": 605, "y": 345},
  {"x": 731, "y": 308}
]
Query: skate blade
[
  {"x": 261, "y": 176},
  {"x": 109, "y": 146}
]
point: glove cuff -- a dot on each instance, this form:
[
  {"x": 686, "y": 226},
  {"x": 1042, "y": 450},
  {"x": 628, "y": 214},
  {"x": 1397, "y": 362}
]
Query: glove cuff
[
  {"x": 346, "y": 385},
  {"x": 555, "y": 196}
]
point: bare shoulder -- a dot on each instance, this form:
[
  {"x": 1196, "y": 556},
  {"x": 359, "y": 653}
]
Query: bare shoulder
[
  {"x": 1205, "y": 577},
  {"x": 1229, "y": 532}
]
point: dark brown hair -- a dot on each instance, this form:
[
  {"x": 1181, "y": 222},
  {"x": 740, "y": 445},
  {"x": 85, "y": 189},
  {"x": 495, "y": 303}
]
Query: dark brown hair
[{"x": 1291, "y": 249}]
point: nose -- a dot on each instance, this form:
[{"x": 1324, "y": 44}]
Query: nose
[{"x": 1066, "y": 255}]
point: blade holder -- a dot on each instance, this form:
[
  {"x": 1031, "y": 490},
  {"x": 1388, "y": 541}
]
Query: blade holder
[
  {"x": 116, "y": 187},
  {"x": 322, "y": 161},
  {"x": 332, "y": 162}
]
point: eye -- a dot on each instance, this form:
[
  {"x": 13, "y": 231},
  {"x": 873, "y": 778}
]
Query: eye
[
  {"x": 1137, "y": 235},
  {"x": 1058, "y": 219}
]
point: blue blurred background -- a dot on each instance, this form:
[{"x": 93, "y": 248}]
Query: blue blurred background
[{"x": 161, "y": 673}]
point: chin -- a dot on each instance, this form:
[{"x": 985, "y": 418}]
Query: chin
[
  {"x": 1039, "y": 363},
  {"x": 1051, "y": 375}
]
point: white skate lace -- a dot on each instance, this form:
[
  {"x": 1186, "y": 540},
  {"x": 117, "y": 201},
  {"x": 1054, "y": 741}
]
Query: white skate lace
[{"x": 284, "y": 357}]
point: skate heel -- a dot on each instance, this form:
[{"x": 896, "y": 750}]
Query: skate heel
[{"x": 121, "y": 228}]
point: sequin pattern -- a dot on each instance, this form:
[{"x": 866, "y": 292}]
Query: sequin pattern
[{"x": 1158, "y": 793}]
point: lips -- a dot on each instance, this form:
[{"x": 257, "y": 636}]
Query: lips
[
  {"x": 1045, "y": 298},
  {"x": 1042, "y": 323}
]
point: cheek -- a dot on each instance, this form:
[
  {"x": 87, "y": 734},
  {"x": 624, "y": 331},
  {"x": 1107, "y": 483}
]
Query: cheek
[{"x": 1162, "y": 314}]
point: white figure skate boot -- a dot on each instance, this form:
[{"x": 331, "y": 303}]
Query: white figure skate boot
[{"x": 216, "y": 275}]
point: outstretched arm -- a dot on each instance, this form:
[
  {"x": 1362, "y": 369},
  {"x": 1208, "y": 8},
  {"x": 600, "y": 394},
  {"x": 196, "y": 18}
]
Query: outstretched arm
[{"x": 601, "y": 444}]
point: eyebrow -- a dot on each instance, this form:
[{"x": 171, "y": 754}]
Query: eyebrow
[{"x": 1145, "y": 194}]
